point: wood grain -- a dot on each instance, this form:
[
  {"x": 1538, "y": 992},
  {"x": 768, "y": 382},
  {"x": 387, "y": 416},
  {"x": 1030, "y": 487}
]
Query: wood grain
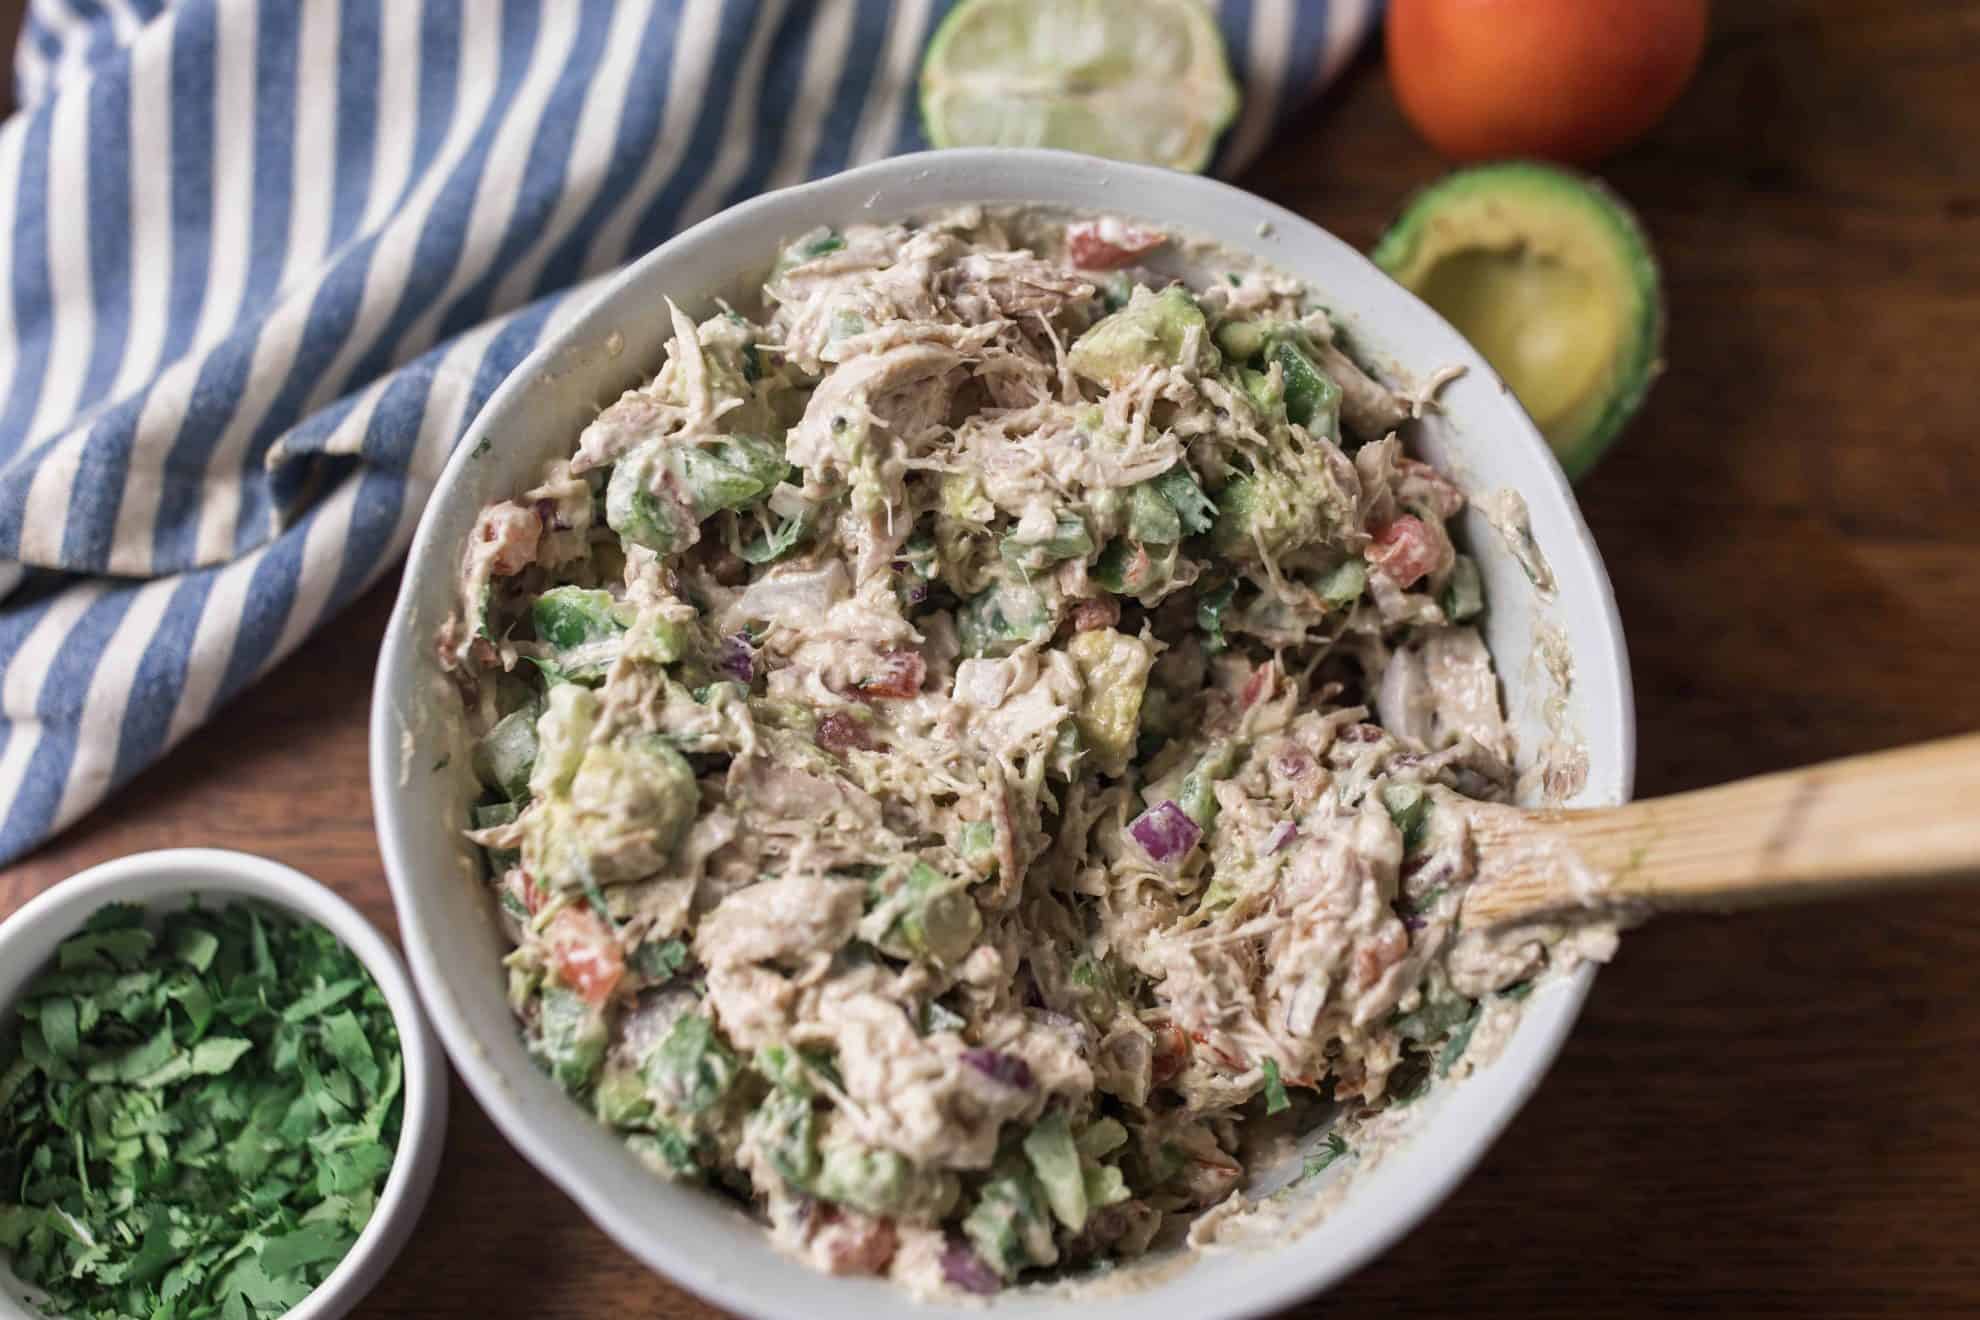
[
  {"x": 1865, "y": 827},
  {"x": 1768, "y": 1116}
]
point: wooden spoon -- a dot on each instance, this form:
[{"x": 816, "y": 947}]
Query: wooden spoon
[{"x": 1860, "y": 825}]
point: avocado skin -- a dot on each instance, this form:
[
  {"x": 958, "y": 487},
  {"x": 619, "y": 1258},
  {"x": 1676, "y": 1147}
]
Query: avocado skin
[{"x": 1607, "y": 220}]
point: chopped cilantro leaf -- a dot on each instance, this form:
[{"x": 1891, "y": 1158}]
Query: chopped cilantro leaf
[
  {"x": 1322, "y": 1159},
  {"x": 1276, "y": 1100},
  {"x": 196, "y": 1123}
]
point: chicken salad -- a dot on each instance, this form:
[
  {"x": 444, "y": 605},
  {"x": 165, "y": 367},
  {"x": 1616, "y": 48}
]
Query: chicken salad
[{"x": 970, "y": 746}]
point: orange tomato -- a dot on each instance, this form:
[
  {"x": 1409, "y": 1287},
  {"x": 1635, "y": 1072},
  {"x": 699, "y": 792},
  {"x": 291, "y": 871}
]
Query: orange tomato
[{"x": 1566, "y": 80}]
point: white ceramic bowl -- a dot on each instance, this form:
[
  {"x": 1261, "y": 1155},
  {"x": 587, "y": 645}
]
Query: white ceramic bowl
[
  {"x": 450, "y": 931},
  {"x": 166, "y": 881}
]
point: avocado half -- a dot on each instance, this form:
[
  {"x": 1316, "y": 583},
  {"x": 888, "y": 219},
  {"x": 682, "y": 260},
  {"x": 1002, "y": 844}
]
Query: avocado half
[{"x": 1550, "y": 276}]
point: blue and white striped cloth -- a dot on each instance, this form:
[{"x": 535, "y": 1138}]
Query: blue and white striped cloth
[{"x": 263, "y": 260}]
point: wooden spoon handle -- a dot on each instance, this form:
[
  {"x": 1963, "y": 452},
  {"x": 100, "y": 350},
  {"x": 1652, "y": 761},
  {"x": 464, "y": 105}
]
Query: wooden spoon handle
[{"x": 1904, "y": 817}]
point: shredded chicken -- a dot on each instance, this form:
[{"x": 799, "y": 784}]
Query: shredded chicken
[{"x": 967, "y": 747}]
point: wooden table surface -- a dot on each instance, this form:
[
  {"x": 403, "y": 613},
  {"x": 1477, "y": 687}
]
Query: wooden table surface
[{"x": 1773, "y": 1115}]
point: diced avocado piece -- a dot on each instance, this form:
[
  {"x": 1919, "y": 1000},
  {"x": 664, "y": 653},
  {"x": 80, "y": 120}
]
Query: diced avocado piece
[
  {"x": 1464, "y": 594},
  {"x": 621, "y": 1100},
  {"x": 569, "y": 1038},
  {"x": 1129, "y": 568},
  {"x": 976, "y": 844},
  {"x": 1055, "y": 1160},
  {"x": 643, "y": 505},
  {"x": 1274, "y": 513},
  {"x": 1069, "y": 540},
  {"x": 569, "y": 712},
  {"x": 1152, "y": 520},
  {"x": 1267, "y": 395},
  {"x": 1312, "y": 400},
  {"x": 1102, "y": 1137},
  {"x": 487, "y": 815},
  {"x": 506, "y": 754},
  {"x": 1240, "y": 341},
  {"x": 659, "y": 493},
  {"x": 583, "y": 626},
  {"x": 883, "y": 1182},
  {"x": 640, "y": 779},
  {"x": 784, "y": 1129},
  {"x": 667, "y": 1150},
  {"x": 730, "y": 472},
  {"x": 1551, "y": 277},
  {"x": 1198, "y": 797},
  {"x": 629, "y": 802},
  {"x": 691, "y": 1069},
  {"x": 1343, "y": 584},
  {"x": 1009, "y": 1225},
  {"x": 1001, "y": 618},
  {"x": 567, "y": 617},
  {"x": 1153, "y": 330},
  {"x": 938, "y": 918},
  {"x": 1115, "y": 669}
]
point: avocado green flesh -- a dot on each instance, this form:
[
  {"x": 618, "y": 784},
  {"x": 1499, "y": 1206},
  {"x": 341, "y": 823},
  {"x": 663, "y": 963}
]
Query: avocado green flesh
[
  {"x": 1549, "y": 276},
  {"x": 1543, "y": 325}
]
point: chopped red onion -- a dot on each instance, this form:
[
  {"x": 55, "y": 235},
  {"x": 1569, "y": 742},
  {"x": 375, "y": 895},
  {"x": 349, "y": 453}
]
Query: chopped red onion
[
  {"x": 1007, "y": 1069},
  {"x": 737, "y": 658},
  {"x": 965, "y": 1269},
  {"x": 1165, "y": 832},
  {"x": 1282, "y": 834}
]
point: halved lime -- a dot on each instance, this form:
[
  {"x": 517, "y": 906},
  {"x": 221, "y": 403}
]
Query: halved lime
[{"x": 1139, "y": 80}]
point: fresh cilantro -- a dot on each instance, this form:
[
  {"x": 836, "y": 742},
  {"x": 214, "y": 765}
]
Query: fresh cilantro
[
  {"x": 481, "y": 448},
  {"x": 1197, "y": 510},
  {"x": 194, "y": 1121},
  {"x": 441, "y": 764},
  {"x": 1321, "y": 1160},
  {"x": 770, "y": 545},
  {"x": 658, "y": 960},
  {"x": 1276, "y": 1100}
]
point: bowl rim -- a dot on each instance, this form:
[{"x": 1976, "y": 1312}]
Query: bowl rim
[
  {"x": 1271, "y": 1288},
  {"x": 151, "y": 877}
]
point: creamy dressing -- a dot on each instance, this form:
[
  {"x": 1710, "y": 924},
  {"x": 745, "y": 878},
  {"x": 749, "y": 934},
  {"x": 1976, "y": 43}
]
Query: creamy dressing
[{"x": 980, "y": 753}]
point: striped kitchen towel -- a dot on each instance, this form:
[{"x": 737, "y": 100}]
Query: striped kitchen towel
[{"x": 263, "y": 260}]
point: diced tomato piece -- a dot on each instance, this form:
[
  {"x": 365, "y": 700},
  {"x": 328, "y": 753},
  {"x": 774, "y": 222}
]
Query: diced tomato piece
[
  {"x": 837, "y": 732},
  {"x": 585, "y": 955},
  {"x": 1405, "y": 549},
  {"x": 1109, "y": 244},
  {"x": 899, "y": 675}
]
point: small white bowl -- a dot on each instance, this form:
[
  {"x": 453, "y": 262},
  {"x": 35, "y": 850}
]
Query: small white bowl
[
  {"x": 166, "y": 881},
  {"x": 421, "y": 786}
]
